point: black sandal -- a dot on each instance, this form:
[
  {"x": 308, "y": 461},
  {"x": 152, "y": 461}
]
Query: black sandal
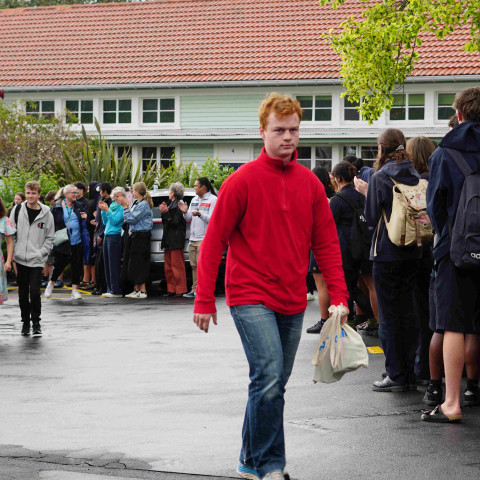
[{"x": 437, "y": 416}]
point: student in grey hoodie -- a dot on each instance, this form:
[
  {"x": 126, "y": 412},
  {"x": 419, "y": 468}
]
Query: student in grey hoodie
[{"x": 33, "y": 242}]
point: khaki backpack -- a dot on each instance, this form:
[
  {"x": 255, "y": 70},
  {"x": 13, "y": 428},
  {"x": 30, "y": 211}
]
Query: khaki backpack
[{"x": 409, "y": 223}]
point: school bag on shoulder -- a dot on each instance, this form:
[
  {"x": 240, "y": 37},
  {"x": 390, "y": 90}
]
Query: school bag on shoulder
[
  {"x": 465, "y": 234},
  {"x": 409, "y": 222},
  {"x": 360, "y": 236}
]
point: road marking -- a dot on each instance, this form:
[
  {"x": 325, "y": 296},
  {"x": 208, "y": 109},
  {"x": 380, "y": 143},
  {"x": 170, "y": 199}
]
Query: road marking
[{"x": 374, "y": 349}]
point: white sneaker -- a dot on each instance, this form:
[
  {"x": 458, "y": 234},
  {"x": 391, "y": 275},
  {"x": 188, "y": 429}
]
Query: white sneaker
[
  {"x": 142, "y": 295},
  {"x": 134, "y": 294},
  {"x": 113, "y": 295},
  {"x": 76, "y": 295},
  {"x": 276, "y": 475},
  {"x": 310, "y": 297},
  {"x": 49, "y": 290}
]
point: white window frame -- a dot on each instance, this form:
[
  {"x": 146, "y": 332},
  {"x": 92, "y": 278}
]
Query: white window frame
[
  {"x": 80, "y": 111},
  {"x": 314, "y": 120},
  {"x": 358, "y": 151},
  {"x": 117, "y": 111},
  {"x": 437, "y": 106},
  {"x": 344, "y": 108},
  {"x": 407, "y": 107},
  {"x": 313, "y": 158},
  {"x": 176, "y": 112},
  {"x": 158, "y": 157},
  {"x": 41, "y": 111}
]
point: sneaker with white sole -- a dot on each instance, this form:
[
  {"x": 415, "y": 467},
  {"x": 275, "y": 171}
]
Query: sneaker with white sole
[
  {"x": 246, "y": 472},
  {"x": 142, "y": 295},
  {"x": 276, "y": 475},
  {"x": 112, "y": 295},
  {"x": 76, "y": 295},
  {"x": 134, "y": 294},
  {"x": 310, "y": 297},
  {"x": 49, "y": 290}
]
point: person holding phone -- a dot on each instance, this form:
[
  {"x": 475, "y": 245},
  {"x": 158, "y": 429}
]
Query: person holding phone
[{"x": 68, "y": 213}]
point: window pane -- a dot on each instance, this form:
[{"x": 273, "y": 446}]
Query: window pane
[
  {"x": 350, "y": 114},
  {"x": 167, "y": 152},
  {"x": 109, "y": 105},
  {"x": 86, "y": 117},
  {"x": 323, "y": 115},
  {"x": 167, "y": 117},
  {"x": 323, "y": 102},
  {"x": 149, "y": 152},
  {"x": 87, "y": 105},
  {"x": 416, "y": 99},
  {"x": 324, "y": 163},
  {"x": 444, "y": 113},
  {"x": 167, "y": 104},
  {"x": 417, "y": 113},
  {"x": 349, "y": 104},
  {"x": 150, "y": 104},
  {"x": 307, "y": 115},
  {"x": 323, "y": 152},
  {"x": 124, "y": 105},
  {"x": 399, "y": 100},
  {"x": 305, "y": 102},
  {"x": 33, "y": 107},
  {"x": 305, "y": 163},
  {"x": 124, "y": 117},
  {"x": 124, "y": 150},
  {"x": 48, "y": 106},
  {"x": 149, "y": 117},
  {"x": 349, "y": 150},
  {"x": 397, "y": 113},
  {"x": 71, "y": 105},
  {"x": 446, "y": 99},
  {"x": 368, "y": 152},
  {"x": 109, "y": 117},
  {"x": 304, "y": 152},
  {"x": 47, "y": 115}
]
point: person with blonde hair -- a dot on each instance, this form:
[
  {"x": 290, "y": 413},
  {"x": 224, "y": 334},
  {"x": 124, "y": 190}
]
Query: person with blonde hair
[
  {"x": 136, "y": 255},
  {"x": 7, "y": 230},
  {"x": 266, "y": 271},
  {"x": 173, "y": 242},
  {"x": 112, "y": 216}
]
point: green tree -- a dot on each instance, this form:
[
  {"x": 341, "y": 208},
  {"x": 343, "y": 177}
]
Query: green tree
[
  {"x": 213, "y": 170},
  {"x": 33, "y": 144},
  {"x": 379, "y": 50}
]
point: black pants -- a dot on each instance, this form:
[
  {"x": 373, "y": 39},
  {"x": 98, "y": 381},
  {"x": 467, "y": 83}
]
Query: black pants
[
  {"x": 352, "y": 272},
  {"x": 136, "y": 258},
  {"x": 394, "y": 284},
  {"x": 112, "y": 251},
  {"x": 29, "y": 280},
  {"x": 100, "y": 282},
  {"x": 75, "y": 259}
]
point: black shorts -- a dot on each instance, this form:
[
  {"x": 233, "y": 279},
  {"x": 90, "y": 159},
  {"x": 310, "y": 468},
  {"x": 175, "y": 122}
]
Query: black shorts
[
  {"x": 457, "y": 298},
  {"x": 312, "y": 264}
]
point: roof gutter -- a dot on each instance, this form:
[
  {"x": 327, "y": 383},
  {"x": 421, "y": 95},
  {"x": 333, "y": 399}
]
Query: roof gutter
[{"x": 226, "y": 84}]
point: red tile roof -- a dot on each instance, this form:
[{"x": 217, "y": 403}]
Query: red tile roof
[{"x": 188, "y": 41}]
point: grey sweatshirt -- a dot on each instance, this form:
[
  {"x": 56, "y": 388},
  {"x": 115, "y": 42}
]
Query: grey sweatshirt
[
  {"x": 205, "y": 205},
  {"x": 33, "y": 242}
]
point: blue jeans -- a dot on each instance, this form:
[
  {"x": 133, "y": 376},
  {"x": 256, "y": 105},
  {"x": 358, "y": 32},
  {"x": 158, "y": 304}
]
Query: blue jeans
[{"x": 270, "y": 341}]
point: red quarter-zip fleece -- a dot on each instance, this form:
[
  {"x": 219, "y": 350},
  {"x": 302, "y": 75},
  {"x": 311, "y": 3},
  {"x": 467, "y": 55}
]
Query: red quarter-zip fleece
[{"x": 270, "y": 215}]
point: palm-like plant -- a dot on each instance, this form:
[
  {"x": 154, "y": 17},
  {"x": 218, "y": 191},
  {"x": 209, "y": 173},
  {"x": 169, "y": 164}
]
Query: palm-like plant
[{"x": 98, "y": 162}]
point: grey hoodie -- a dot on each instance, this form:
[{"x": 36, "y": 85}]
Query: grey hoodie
[{"x": 33, "y": 242}]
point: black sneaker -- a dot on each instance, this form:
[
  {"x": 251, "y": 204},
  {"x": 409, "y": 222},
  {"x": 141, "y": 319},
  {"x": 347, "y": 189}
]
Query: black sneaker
[
  {"x": 26, "y": 328},
  {"x": 433, "y": 395},
  {"x": 37, "y": 331},
  {"x": 471, "y": 397},
  {"x": 317, "y": 328}
]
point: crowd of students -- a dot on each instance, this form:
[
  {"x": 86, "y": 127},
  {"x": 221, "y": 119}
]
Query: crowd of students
[{"x": 105, "y": 239}]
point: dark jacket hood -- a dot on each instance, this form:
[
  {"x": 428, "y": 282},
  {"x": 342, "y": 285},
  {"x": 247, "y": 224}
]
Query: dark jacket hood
[
  {"x": 401, "y": 172},
  {"x": 464, "y": 137}
]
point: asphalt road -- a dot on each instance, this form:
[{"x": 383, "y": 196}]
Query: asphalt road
[{"x": 120, "y": 388}]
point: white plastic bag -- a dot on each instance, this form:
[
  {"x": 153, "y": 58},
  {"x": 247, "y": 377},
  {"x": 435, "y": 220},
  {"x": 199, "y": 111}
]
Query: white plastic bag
[{"x": 340, "y": 349}]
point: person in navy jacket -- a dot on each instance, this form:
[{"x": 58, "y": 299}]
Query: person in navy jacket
[
  {"x": 457, "y": 291},
  {"x": 394, "y": 268}
]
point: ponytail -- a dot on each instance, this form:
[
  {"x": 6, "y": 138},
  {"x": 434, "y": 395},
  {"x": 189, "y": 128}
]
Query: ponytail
[{"x": 345, "y": 170}]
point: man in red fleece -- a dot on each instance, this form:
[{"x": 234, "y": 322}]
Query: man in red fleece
[{"x": 270, "y": 213}]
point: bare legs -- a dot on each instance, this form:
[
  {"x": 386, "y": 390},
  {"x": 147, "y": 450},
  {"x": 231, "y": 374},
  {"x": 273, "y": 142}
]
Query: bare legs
[{"x": 323, "y": 295}]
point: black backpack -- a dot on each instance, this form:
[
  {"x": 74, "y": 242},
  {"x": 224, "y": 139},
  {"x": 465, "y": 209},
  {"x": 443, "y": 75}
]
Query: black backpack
[
  {"x": 361, "y": 235},
  {"x": 465, "y": 234}
]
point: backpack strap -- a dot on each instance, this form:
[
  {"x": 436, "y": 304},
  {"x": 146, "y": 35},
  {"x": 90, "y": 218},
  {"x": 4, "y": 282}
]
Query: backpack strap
[
  {"x": 460, "y": 161},
  {"x": 348, "y": 200},
  {"x": 17, "y": 212}
]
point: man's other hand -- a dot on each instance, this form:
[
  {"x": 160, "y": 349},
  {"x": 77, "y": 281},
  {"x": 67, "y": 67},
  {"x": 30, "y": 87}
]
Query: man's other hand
[{"x": 202, "y": 320}]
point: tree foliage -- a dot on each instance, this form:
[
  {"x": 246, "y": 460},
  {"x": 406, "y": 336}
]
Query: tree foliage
[
  {"x": 379, "y": 50},
  {"x": 33, "y": 144}
]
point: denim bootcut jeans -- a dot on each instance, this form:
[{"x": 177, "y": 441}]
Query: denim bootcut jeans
[{"x": 270, "y": 341}]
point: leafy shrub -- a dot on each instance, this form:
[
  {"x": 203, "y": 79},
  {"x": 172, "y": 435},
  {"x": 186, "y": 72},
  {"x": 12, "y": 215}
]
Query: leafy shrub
[{"x": 213, "y": 170}]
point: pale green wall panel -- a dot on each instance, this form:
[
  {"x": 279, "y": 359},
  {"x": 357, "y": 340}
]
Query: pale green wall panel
[
  {"x": 221, "y": 111},
  {"x": 197, "y": 153},
  {"x": 257, "y": 148}
]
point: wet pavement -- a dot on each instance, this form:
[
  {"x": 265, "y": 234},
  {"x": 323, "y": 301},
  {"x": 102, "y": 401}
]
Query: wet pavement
[{"x": 126, "y": 388}]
